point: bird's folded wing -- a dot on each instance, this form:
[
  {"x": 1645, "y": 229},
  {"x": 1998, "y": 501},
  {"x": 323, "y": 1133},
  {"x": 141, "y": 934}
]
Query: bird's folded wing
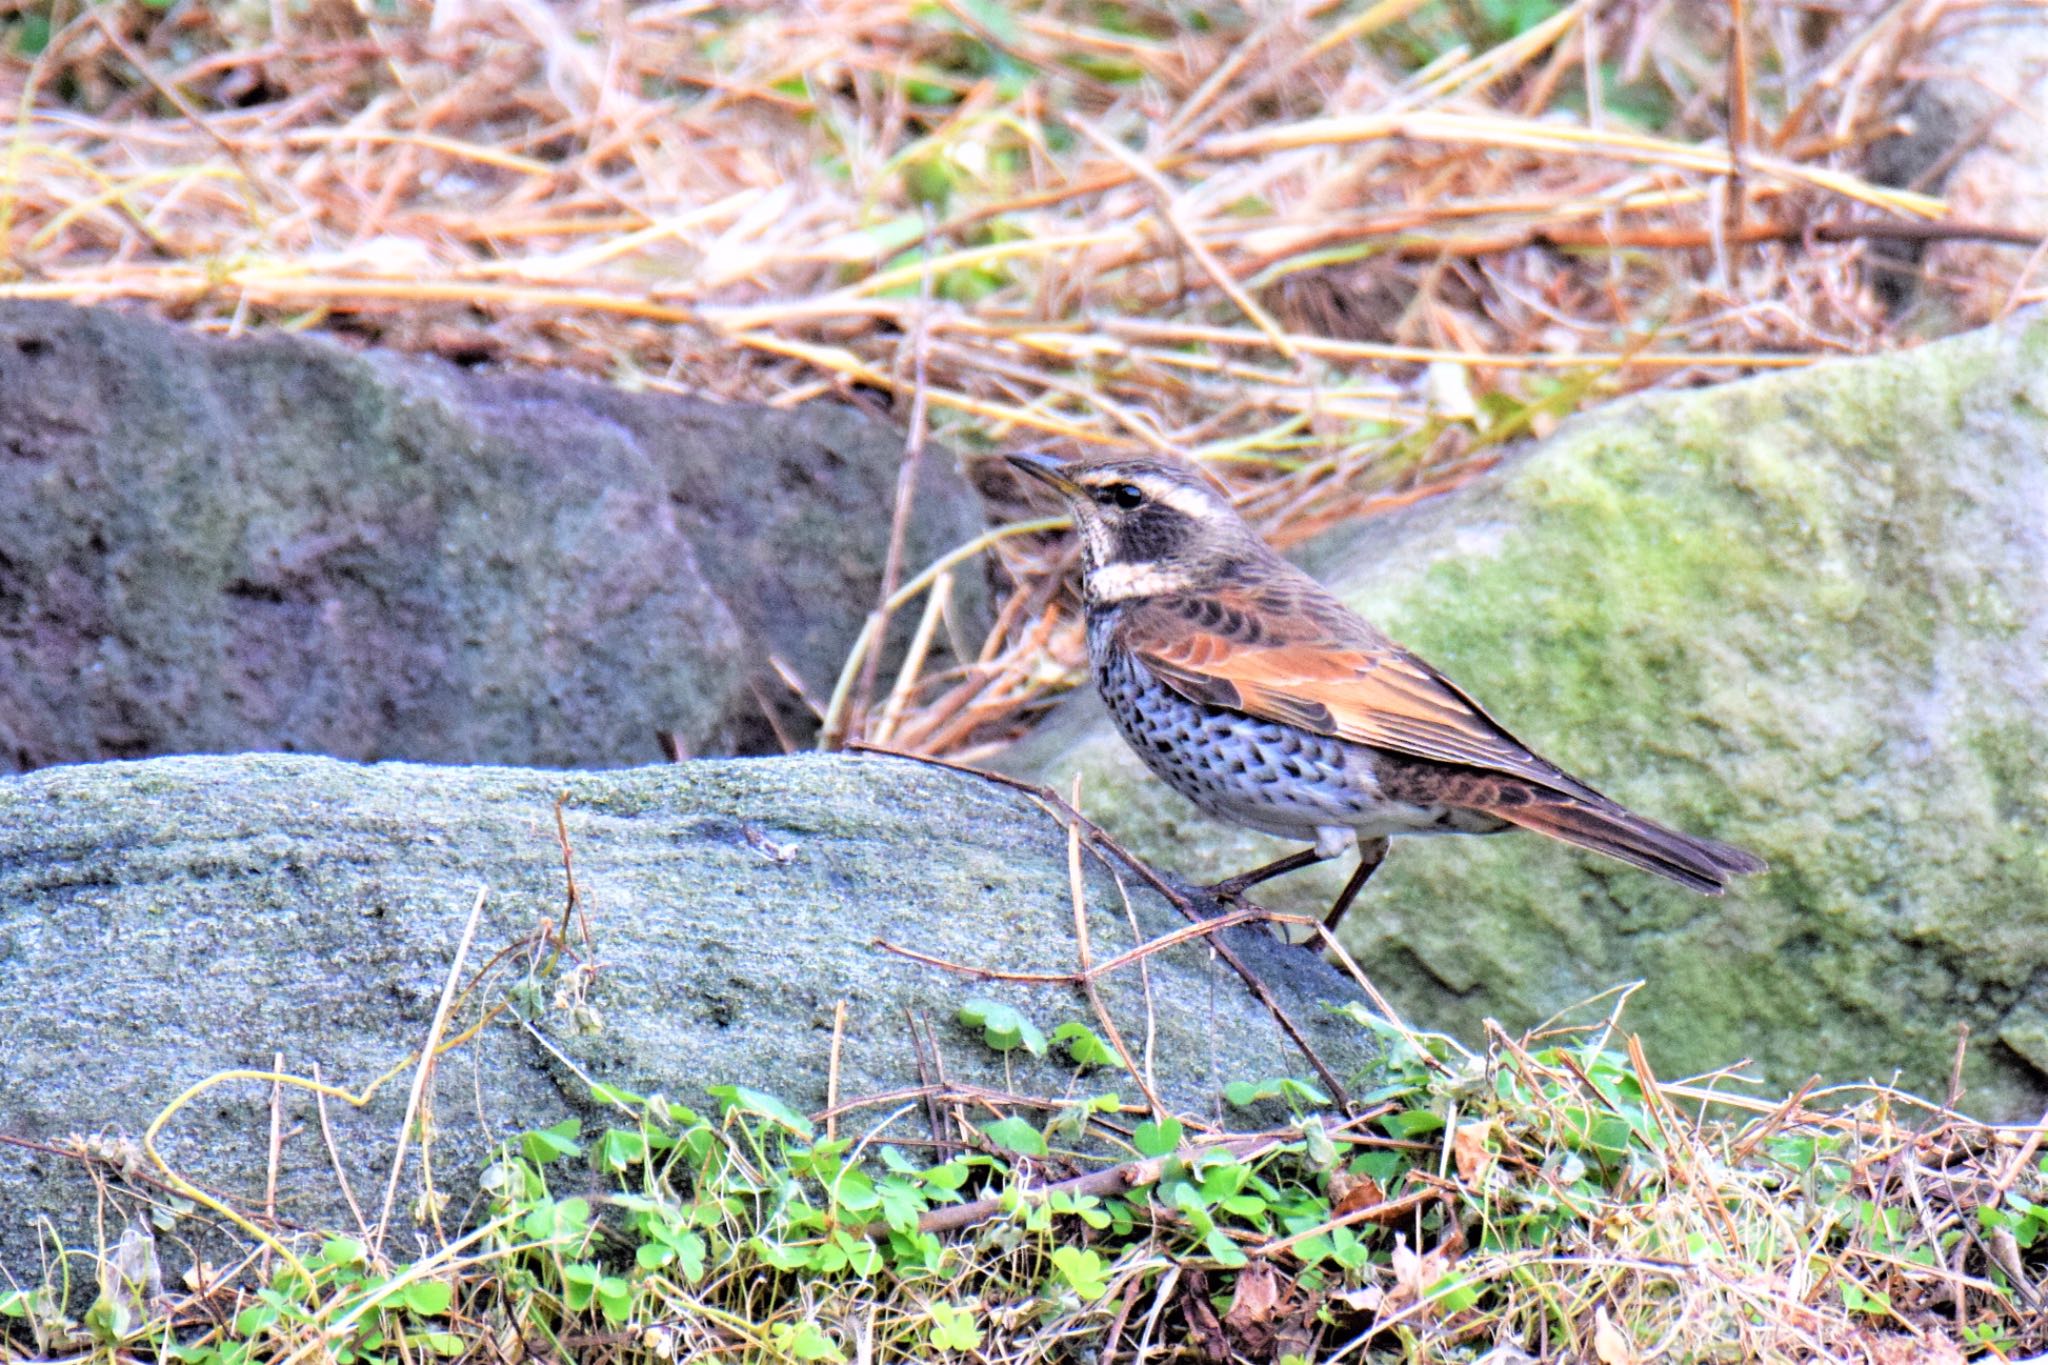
[{"x": 1385, "y": 697}]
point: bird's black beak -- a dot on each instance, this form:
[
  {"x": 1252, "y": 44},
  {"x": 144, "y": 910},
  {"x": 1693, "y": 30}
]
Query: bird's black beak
[{"x": 1047, "y": 469}]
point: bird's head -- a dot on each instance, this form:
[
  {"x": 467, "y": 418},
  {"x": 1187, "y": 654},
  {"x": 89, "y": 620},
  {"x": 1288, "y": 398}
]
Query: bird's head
[{"x": 1148, "y": 526}]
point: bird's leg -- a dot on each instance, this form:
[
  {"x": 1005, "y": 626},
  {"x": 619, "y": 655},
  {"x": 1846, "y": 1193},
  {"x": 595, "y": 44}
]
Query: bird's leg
[
  {"x": 1371, "y": 853},
  {"x": 1230, "y": 888}
]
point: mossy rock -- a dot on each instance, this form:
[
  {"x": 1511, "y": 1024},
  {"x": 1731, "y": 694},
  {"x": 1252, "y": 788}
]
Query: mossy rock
[{"x": 1806, "y": 613}]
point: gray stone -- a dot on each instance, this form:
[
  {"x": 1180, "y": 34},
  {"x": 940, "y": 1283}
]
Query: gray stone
[
  {"x": 1976, "y": 133},
  {"x": 166, "y": 921},
  {"x": 279, "y": 544},
  {"x": 1806, "y": 613}
]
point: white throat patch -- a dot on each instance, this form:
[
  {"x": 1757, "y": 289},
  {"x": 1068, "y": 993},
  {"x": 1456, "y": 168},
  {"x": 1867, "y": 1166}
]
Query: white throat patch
[{"x": 1119, "y": 582}]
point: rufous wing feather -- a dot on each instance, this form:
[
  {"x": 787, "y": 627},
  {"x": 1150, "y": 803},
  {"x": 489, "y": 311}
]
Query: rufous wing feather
[
  {"x": 1366, "y": 689},
  {"x": 1385, "y": 696}
]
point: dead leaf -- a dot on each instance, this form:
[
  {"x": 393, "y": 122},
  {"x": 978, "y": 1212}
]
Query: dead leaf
[
  {"x": 1414, "y": 1275},
  {"x": 1213, "y": 1345},
  {"x": 1449, "y": 389},
  {"x": 1294, "y": 1336},
  {"x": 1366, "y": 1300},
  {"x": 758, "y": 840},
  {"x": 1407, "y": 1268},
  {"x": 2005, "y": 1249},
  {"x": 131, "y": 1279},
  {"x": 1610, "y": 1343},
  {"x": 1469, "y": 1150},
  {"x": 1252, "y": 1309},
  {"x": 1349, "y": 1193},
  {"x": 1507, "y": 1353}
]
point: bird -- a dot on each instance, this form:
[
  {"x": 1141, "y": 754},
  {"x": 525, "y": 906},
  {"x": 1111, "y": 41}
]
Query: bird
[{"x": 1251, "y": 690}]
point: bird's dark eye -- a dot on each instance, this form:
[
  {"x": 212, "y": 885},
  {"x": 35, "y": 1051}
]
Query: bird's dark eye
[{"x": 1123, "y": 495}]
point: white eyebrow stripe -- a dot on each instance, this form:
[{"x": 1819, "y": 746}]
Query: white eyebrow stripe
[
  {"x": 1189, "y": 502},
  {"x": 1117, "y": 582}
]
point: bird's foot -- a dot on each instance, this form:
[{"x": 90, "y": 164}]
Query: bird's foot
[{"x": 1230, "y": 890}]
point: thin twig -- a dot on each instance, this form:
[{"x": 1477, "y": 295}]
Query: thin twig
[
  {"x": 1218, "y": 274},
  {"x": 1738, "y": 117},
  {"x": 348, "y": 1193},
  {"x": 906, "y": 487},
  {"x": 429, "y": 1053},
  {"x": 1174, "y": 896},
  {"x": 832, "y": 1070},
  {"x": 1384, "y": 1211},
  {"x": 929, "y": 1086},
  {"x": 2020, "y": 1158},
  {"x": 275, "y": 1154},
  {"x": 1109, "y": 966},
  {"x": 1077, "y": 893},
  {"x": 960, "y": 1092},
  {"x": 575, "y": 900},
  {"x": 1112, "y": 1180}
]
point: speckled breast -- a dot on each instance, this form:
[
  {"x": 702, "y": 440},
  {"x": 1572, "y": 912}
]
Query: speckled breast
[{"x": 1260, "y": 773}]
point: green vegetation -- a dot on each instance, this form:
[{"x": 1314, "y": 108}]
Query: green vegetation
[{"x": 1550, "y": 1193}]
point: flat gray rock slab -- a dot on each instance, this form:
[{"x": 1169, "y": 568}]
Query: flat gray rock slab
[{"x": 164, "y": 922}]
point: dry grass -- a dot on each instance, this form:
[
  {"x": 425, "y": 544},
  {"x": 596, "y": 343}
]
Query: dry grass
[
  {"x": 1339, "y": 252},
  {"x": 1838, "y": 1224},
  {"x": 1545, "y": 1199}
]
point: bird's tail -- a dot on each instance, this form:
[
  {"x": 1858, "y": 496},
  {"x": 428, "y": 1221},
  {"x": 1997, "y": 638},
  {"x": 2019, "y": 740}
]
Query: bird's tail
[{"x": 1700, "y": 864}]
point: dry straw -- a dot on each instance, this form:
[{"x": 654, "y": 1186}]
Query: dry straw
[{"x": 1340, "y": 252}]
